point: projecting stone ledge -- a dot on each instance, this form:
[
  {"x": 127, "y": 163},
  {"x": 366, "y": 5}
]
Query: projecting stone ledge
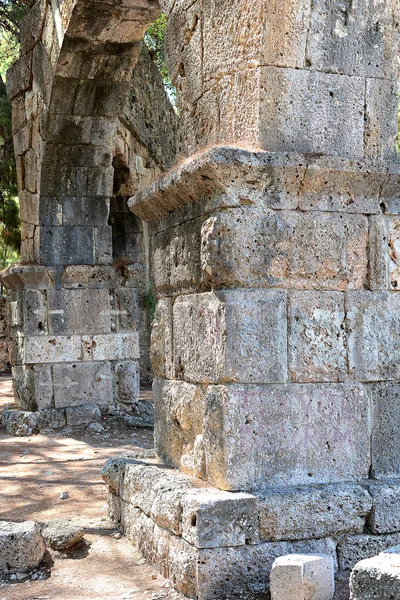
[{"x": 235, "y": 176}]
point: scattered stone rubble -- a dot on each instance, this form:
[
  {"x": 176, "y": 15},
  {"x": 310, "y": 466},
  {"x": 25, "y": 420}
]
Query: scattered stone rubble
[
  {"x": 21, "y": 547},
  {"x": 62, "y": 534}
]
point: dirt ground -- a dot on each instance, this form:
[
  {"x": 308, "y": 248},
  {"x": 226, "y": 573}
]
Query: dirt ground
[{"x": 34, "y": 472}]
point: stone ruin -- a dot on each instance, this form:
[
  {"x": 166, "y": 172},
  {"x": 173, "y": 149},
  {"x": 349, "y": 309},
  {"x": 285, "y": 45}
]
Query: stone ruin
[{"x": 271, "y": 247}]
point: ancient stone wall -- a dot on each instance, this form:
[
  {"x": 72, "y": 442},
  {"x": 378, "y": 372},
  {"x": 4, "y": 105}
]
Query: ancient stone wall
[
  {"x": 78, "y": 301},
  {"x": 4, "y": 352}
]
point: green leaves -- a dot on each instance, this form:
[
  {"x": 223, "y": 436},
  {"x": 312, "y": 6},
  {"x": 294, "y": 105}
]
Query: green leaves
[{"x": 154, "y": 40}]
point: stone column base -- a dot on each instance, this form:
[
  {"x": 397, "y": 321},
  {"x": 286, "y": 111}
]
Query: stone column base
[{"x": 215, "y": 545}]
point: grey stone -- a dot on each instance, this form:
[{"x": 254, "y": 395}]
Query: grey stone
[
  {"x": 301, "y": 575},
  {"x": 95, "y": 428},
  {"x": 281, "y": 434},
  {"x": 78, "y": 311},
  {"x": 19, "y": 422},
  {"x": 306, "y": 512},
  {"x": 372, "y": 333},
  {"x": 62, "y": 534},
  {"x": 384, "y": 517},
  {"x": 317, "y": 341},
  {"x": 236, "y": 336},
  {"x": 352, "y": 549},
  {"x": 51, "y": 418},
  {"x": 85, "y": 383},
  {"x": 127, "y": 381},
  {"x": 377, "y": 578},
  {"x": 21, "y": 546},
  {"x": 82, "y": 415},
  {"x": 385, "y": 398},
  {"x": 213, "y": 519}
]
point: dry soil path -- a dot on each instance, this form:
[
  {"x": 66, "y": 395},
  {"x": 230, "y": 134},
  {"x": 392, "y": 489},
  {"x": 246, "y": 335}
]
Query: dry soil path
[{"x": 33, "y": 473}]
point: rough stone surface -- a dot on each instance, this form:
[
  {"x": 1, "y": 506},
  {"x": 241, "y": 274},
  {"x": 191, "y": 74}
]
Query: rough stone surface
[
  {"x": 82, "y": 415},
  {"x": 62, "y": 534},
  {"x": 299, "y": 576},
  {"x": 377, "y": 578},
  {"x": 384, "y": 517},
  {"x": 280, "y": 434},
  {"x": 19, "y": 422},
  {"x": 306, "y": 512},
  {"x": 385, "y": 398},
  {"x": 352, "y": 549},
  {"x": 21, "y": 546}
]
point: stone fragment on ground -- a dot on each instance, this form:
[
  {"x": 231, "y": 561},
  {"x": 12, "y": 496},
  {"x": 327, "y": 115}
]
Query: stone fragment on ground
[
  {"x": 22, "y": 547},
  {"x": 377, "y": 578},
  {"x": 302, "y": 577},
  {"x": 62, "y": 534},
  {"x": 19, "y": 423}
]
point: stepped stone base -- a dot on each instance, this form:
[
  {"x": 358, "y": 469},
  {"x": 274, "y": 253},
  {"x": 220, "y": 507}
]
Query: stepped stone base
[{"x": 215, "y": 545}]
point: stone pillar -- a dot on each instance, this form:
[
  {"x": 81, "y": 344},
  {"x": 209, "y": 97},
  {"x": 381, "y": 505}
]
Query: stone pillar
[
  {"x": 273, "y": 255},
  {"x": 74, "y": 306}
]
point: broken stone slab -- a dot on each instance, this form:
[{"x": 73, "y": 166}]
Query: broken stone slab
[
  {"x": 20, "y": 423},
  {"x": 302, "y": 577},
  {"x": 306, "y": 512},
  {"x": 377, "y": 578},
  {"x": 62, "y": 534},
  {"x": 21, "y": 546}
]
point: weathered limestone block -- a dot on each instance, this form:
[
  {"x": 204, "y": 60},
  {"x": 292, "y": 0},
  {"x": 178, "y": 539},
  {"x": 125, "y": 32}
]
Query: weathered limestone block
[
  {"x": 21, "y": 546},
  {"x": 161, "y": 340},
  {"x": 116, "y": 346},
  {"x": 331, "y": 108},
  {"x": 85, "y": 383},
  {"x": 300, "y": 250},
  {"x": 62, "y": 534},
  {"x": 306, "y": 512},
  {"x": 52, "y": 349},
  {"x": 19, "y": 76},
  {"x": 82, "y": 415},
  {"x": 237, "y": 336},
  {"x": 77, "y": 311},
  {"x": 393, "y": 241},
  {"x": 178, "y": 427},
  {"x": 385, "y": 400},
  {"x": 317, "y": 343},
  {"x": 380, "y": 125},
  {"x": 300, "y": 576},
  {"x": 50, "y": 418},
  {"x": 378, "y": 254},
  {"x": 384, "y": 517},
  {"x": 377, "y": 578},
  {"x": 213, "y": 519},
  {"x": 372, "y": 333},
  {"x": 282, "y": 435},
  {"x": 352, "y": 549}
]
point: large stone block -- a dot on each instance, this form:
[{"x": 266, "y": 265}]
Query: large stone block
[
  {"x": 384, "y": 517},
  {"x": 393, "y": 242},
  {"x": 76, "y": 384},
  {"x": 213, "y": 519},
  {"x": 21, "y": 546},
  {"x": 79, "y": 311},
  {"x": 373, "y": 333},
  {"x": 306, "y": 512},
  {"x": 385, "y": 400},
  {"x": 179, "y": 413},
  {"x": 317, "y": 341},
  {"x": 161, "y": 339},
  {"x": 52, "y": 349},
  {"x": 19, "y": 76},
  {"x": 116, "y": 346},
  {"x": 290, "y": 249},
  {"x": 282, "y": 435},
  {"x": 310, "y": 111},
  {"x": 82, "y": 415},
  {"x": 67, "y": 245},
  {"x": 236, "y": 336},
  {"x": 126, "y": 381}
]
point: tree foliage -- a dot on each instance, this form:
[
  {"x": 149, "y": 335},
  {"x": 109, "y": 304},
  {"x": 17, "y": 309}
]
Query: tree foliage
[
  {"x": 154, "y": 40},
  {"x": 10, "y": 234}
]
